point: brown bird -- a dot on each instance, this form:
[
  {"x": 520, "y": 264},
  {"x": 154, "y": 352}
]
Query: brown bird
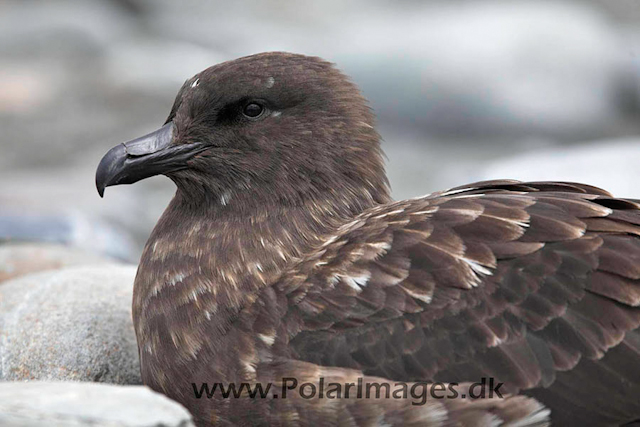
[{"x": 282, "y": 257}]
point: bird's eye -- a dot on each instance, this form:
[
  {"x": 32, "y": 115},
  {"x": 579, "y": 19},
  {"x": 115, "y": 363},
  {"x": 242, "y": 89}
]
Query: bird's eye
[{"x": 253, "y": 110}]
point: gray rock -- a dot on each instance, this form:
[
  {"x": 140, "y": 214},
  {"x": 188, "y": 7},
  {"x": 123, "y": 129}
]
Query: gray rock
[
  {"x": 488, "y": 66},
  {"x": 18, "y": 259},
  {"x": 131, "y": 63},
  {"x": 70, "y": 324},
  {"x": 611, "y": 165},
  {"x": 74, "y": 229},
  {"x": 93, "y": 73},
  {"x": 36, "y": 404},
  {"x": 419, "y": 164},
  {"x": 62, "y": 205},
  {"x": 71, "y": 26},
  {"x": 455, "y": 67}
]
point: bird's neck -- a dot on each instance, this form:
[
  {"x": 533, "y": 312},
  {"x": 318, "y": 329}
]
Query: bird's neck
[
  {"x": 238, "y": 245},
  {"x": 203, "y": 264}
]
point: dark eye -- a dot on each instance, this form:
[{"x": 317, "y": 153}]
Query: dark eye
[{"x": 253, "y": 110}]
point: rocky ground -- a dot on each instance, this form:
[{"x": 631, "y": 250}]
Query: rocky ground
[
  {"x": 458, "y": 86},
  {"x": 464, "y": 91},
  {"x": 87, "y": 404}
]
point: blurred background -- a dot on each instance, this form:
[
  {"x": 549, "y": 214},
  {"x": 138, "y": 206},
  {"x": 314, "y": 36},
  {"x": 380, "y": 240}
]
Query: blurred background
[{"x": 464, "y": 90}]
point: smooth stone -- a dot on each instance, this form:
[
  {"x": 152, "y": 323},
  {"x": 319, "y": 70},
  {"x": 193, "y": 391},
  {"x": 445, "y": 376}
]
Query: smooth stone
[
  {"x": 36, "y": 404},
  {"x": 447, "y": 67},
  {"x": 69, "y": 324},
  {"x": 611, "y": 165},
  {"x": 18, "y": 259},
  {"x": 62, "y": 205}
]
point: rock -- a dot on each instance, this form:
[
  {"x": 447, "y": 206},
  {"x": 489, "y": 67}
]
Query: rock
[
  {"x": 611, "y": 165},
  {"x": 492, "y": 67},
  {"x": 18, "y": 259},
  {"x": 69, "y": 324},
  {"x": 73, "y": 229},
  {"x": 170, "y": 62},
  {"x": 55, "y": 28},
  {"x": 35, "y": 404},
  {"x": 24, "y": 90},
  {"x": 420, "y": 163},
  {"x": 62, "y": 205},
  {"x": 452, "y": 67},
  {"x": 459, "y": 76}
]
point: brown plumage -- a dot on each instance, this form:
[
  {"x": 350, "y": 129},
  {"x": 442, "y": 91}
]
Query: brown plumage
[{"x": 282, "y": 255}]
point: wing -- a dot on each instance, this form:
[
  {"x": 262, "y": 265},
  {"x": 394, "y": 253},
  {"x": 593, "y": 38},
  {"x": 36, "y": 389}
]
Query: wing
[{"x": 518, "y": 281}]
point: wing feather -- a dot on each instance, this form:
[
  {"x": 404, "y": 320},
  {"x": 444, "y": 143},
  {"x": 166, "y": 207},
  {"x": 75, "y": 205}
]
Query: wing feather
[{"x": 521, "y": 281}]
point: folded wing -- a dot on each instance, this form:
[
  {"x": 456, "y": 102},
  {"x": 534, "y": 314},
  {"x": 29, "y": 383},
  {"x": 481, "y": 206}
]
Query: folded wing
[{"x": 523, "y": 282}]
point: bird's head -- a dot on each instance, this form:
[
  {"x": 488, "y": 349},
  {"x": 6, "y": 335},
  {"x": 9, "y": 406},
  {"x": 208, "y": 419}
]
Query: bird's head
[{"x": 281, "y": 127}]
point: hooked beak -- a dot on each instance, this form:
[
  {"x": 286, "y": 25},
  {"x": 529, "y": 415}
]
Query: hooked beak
[{"x": 143, "y": 157}]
